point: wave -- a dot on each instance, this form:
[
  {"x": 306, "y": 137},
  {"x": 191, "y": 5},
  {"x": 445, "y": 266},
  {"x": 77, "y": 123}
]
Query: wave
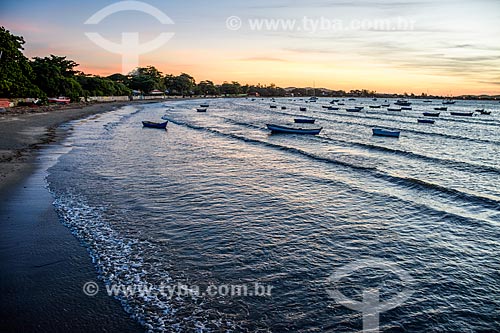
[{"x": 408, "y": 182}]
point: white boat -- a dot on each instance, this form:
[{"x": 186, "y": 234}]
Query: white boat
[{"x": 384, "y": 132}]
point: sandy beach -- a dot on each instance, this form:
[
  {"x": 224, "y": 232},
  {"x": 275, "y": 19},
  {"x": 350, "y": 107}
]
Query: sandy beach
[{"x": 43, "y": 266}]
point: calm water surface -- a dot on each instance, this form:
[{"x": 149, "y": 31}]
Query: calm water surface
[{"x": 217, "y": 200}]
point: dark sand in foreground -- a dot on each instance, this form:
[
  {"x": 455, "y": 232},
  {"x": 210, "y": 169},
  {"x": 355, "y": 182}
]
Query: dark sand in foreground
[{"x": 43, "y": 267}]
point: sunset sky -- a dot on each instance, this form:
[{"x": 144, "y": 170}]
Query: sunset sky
[{"x": 441, "y": 47}]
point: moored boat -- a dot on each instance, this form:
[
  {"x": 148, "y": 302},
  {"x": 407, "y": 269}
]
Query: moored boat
[
  {"x": 293, "y": 130},
  {"x": 393, "y": 109},
  {"x": 353, "y": 110},
  {"x": 431, "y": 114},
  {"x": 273, "y": 106},
  {"x": 402, "y": 102},
  {"x": 204, "y": 105},
  {"x": 303, "y": 109},
  {"x": 462, "y": 114},
  {"x": 375, "y": 106},
  {"x": 426, "y": 121},
  {"x": 487, "y": 113},
  {"x": 304, "y": 121},
  {"x": 386, "y": 105},
  {"x": 333, "y": 108},
  {"x": 441, "y": 109},
  {"x": 448, "y": 102},
  {"x": 406, "y": 108},
  {"x": 201, "y": 110},
  {"x": 384, "y": 132},
  {"x": 151, "y": 124}
]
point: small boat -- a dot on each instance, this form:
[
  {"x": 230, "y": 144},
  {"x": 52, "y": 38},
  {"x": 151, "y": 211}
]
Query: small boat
[
  {"x": 151, "y": 124},
  {"x": 333, "y": 108},
  {"x": 60, "y": 100},
  {"x": 204, "y": 105},
  {"x": 351, "y": 99},
  {"x": 402, "y": 102},
  {"x": 303, "y": 109},
  {"x": 293, "y": 130},
  {"x": 462, "y": 114},
  {"x": 201, "y": 110},
  {"x": 313, "y": 99},
  {"x": 431, "y": 114},
  {"x": 383, "y": 132},
  {"x": 283, "y": 108},
  {"x": 273, "y": 106},
  {"x": 427, "y": 101},
  {"x": 335, "y": 101},
  {"x": 325, "y": 106},
  {"x": 393, "y": 109},
  {"x": 359, "y": 107},
  {"x": 480, "y": 110},
  {"x": 426, "y": 121},
  {"x": 441, "y": 109},
  {"x": 341, "y": 104},
  {"x": 386, "y": 105},
  {"x": 304, "y": 121},
  {"x": 353, "y": 110},
  {"x": 375, "y": 106},
  {"x": 487, "y": 113},
  {"x": 448, "y": 102},
  {"x": 406, "y": 108}
]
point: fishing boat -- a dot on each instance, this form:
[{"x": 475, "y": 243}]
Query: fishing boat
[
  {"x": 303, "y": 109},
  {"x": 462, "y": 114},
  {"x": 333, "y": 108},
  {"x": 304, "y": 121},
  {"x": 375, "y": 106},
  {"x": 351, "y": 99},
  {"x": 402, "y": 102},
  {"x": 384, "y": 132},
  {"x": 341, "y": 104},
  {"x": 426, "y": 121},
  {"x": 325, "y": 106},
  {"x": 335, "y": 101},
  {"x": 283, "y": 108},
  {"x": 487, "y": 113},
  {"x": 204, "y": 105},
  {"x": 431, "y": 114},
  {"x": 393, "y": 109},
  {"x": 448, "y": 102},
  {"x": 201, "y": 110},
  {"x": 444, "y": 108},
  {"x": 293, "y": 130},
  {"x": 353, "y": 110},
  {"x": 359, "y": 107},
  {"x": 386, "y": 105},
  {"x": 151, "y": 124},
  {"x": 273, "y": 106},
  {"x": 406, "y": 108}
]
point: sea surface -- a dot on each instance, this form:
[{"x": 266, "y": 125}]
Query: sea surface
[{"x": 216, "y": 200}]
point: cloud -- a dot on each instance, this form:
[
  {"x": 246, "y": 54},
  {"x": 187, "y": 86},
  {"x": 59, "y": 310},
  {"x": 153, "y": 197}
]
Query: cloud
[{"x": 267, "y": 59}]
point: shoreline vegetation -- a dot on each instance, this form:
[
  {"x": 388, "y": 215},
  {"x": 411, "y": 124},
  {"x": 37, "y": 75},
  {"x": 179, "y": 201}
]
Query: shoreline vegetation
[{"x": 33, "y": 82}]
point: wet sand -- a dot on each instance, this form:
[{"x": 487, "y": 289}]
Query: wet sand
[{"x": 43, "y": 267}]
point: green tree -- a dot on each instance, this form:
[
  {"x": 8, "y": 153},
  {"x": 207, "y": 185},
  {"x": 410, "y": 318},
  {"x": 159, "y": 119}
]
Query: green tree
[
  {"x": 146, "y": 79},
  {"x": 16, "y": 74},
  {"x": 184, "y": 84},
  {"x": 207, "y": 88},
  {"x": 55, "y": 75}
]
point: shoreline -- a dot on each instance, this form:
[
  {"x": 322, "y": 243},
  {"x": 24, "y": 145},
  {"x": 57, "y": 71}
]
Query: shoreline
[
  {"x": 24, "y": 132},
  {"x": 43, "y": 265}
]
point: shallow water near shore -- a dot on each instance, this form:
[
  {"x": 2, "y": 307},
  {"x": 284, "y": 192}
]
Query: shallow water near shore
[{"x": 216, "y": 200}]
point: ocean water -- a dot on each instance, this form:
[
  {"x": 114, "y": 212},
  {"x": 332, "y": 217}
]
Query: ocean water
[{"x": 216, "y": 200}]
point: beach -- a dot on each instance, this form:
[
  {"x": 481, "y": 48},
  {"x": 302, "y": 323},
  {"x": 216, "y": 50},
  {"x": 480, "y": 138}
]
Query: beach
[
  {"x": 44, "y": 267},
  {"x": 217, "y": 203}
]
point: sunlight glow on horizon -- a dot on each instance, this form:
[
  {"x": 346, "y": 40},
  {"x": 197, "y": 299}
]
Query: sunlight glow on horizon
[{"x": 453, "y": 49}]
